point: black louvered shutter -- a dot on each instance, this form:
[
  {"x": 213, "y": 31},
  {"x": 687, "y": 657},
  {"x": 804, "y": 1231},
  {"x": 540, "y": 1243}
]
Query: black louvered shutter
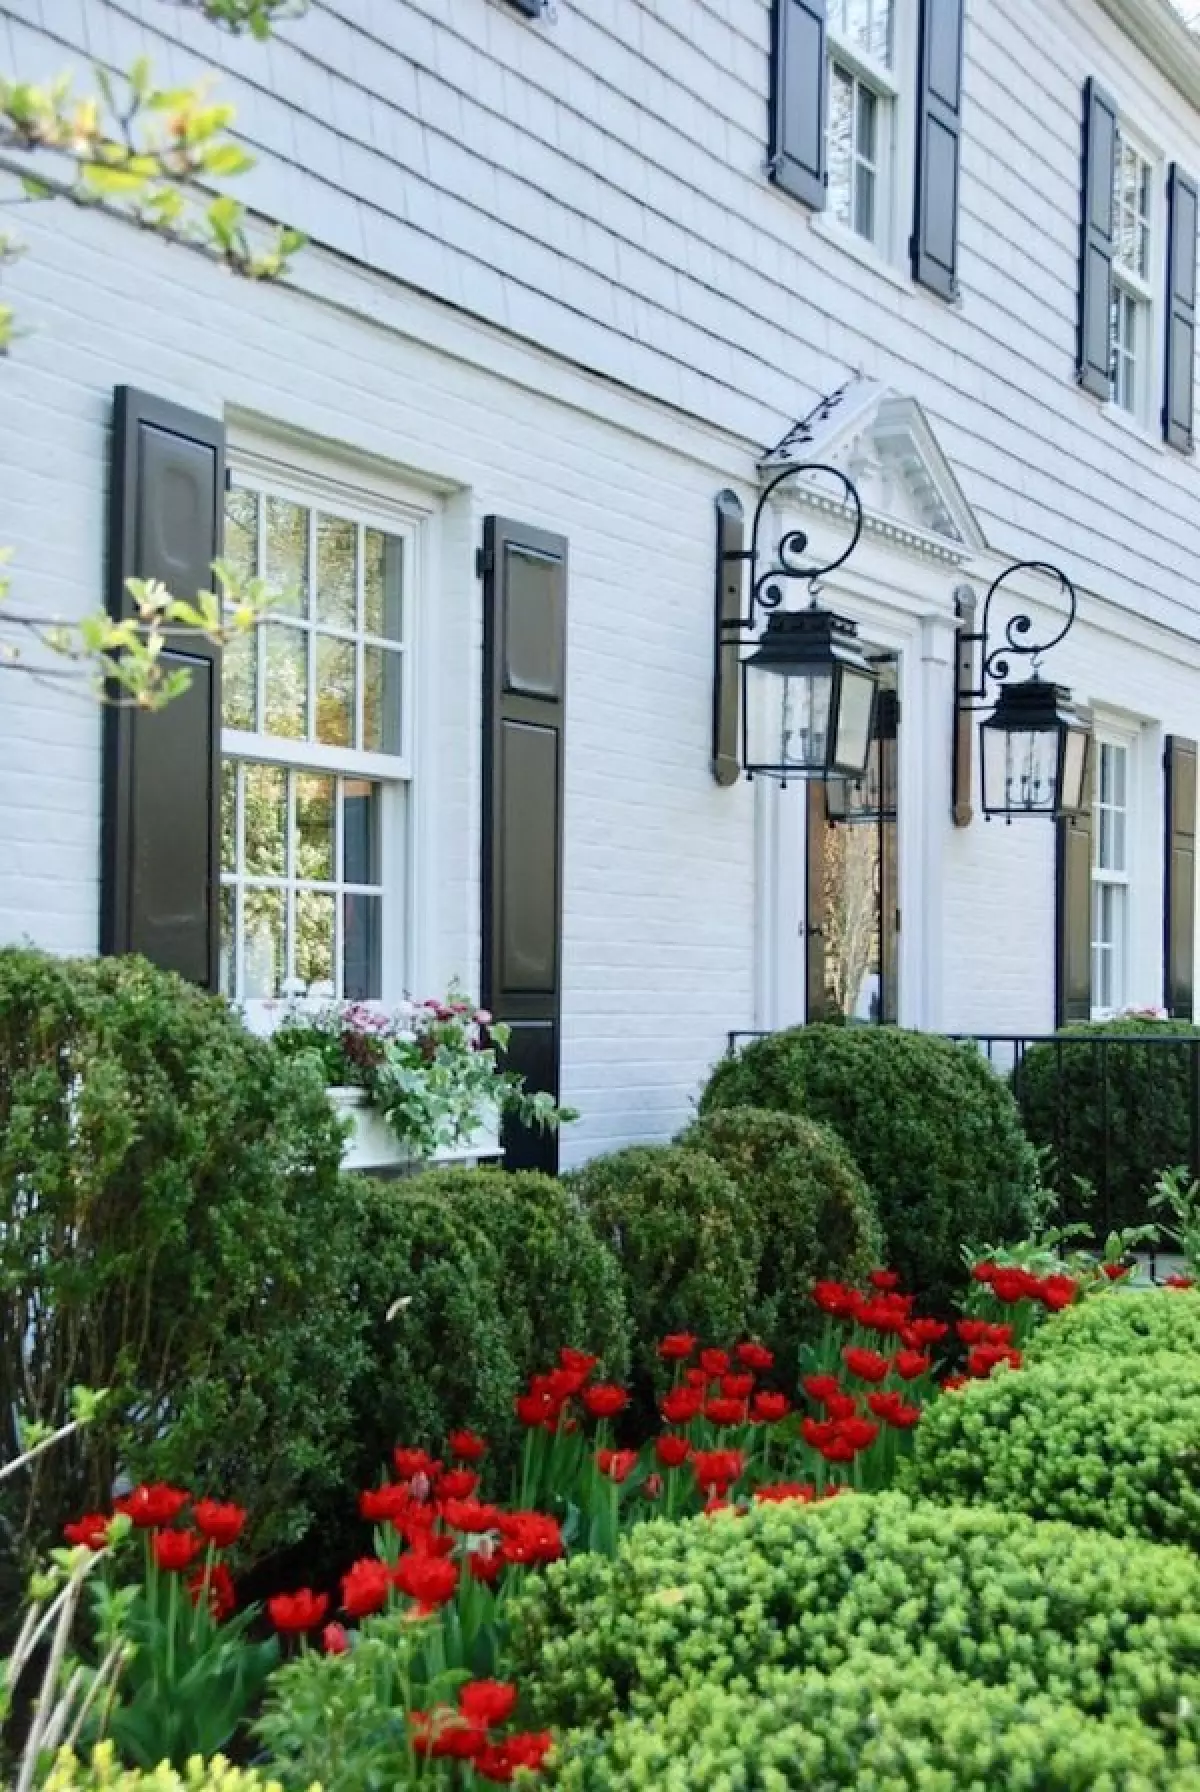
[
  {"x": 798, "y": 87},
  {"x": 1179, "y": 890},
  {"x": 160, "y": 835},
  {"x": 1094, "y": 366},
  {"x": 1073, "y": 970},
  {"x": 939, "y": 128},
  {"x": 1179, "y": 374},
  {"x": 525, "y": 638}
]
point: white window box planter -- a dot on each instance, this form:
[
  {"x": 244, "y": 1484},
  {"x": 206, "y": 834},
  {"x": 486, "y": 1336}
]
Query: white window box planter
[{"x": 374, "y": 1146}]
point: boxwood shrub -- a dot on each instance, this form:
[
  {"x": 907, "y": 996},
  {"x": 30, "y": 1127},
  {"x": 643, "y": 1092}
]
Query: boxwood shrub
[
  {"x": 102, "y": 1772},
  {"x": 1090, "y": 1437},
  {"x": 813, "y": 1211},
  {"x": 870, "y": 1725},
  {"x": 686, "y": 1239},
  {"x": 1120, "y": 1137},
  {"x": 1131, "y": 1322},
  {"x": 562, "y": 1284},
  {"x": 1105, "y": 1625},
  {"x": 170, "y": 1228},
  {"x": 935, "y": 1132}
]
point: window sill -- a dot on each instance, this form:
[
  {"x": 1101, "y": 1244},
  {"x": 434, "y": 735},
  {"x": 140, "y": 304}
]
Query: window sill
[
  {"x": 1132, "y": 425},
  {"x": 842, "y": 237}
]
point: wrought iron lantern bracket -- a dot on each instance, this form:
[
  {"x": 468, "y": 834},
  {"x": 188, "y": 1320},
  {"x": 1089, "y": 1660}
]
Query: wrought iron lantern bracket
[{"x": 996, "y": 657}]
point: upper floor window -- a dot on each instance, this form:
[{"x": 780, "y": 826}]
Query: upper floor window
[
  {"x": 317, "y": 742},
  {"x": 1132, "y": 324},
  {"x": 863, "y": 96}
]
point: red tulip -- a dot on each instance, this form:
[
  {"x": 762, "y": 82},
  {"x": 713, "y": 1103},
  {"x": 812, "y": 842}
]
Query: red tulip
[
  {"x": 755, "y": 1356},
  {"x": 487, "y": 1702},
  {"x": 769, "y": 1409},
  {"x": 467, "y": 1446},
  {"x": 605, "y": 1400},
  {"x": 867, "y": 1365},
  {"x": 91, "y": 1531},
  {"x": 152, "y": 1506},
  {"x": 365, "y": 1587},
  {"x": 294, "y": 1612},
  {"x": 220, "y": 1522},
  {"x": 672, "y": 1451},
  {"x": 176, "y": 1550},
  {"x": 677, "y": 1347}
]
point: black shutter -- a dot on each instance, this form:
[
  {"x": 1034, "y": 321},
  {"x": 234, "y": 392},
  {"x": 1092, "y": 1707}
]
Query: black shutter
[
  {"x": 1179, "y": 371},
  {"x": 939, "y": 128},
  {"x": 1179, "y": 891},
  {"x": 1094, "y": 367},
  {"x": 160, "y": 837},
  {"x": 727, "y": 647},
  {"x": 524, "y": 640},
  {"x": 798, "y": 86},
  {"x": 1073, "y": 970}
]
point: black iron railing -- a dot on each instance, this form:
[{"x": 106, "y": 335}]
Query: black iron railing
[{"x": 1112, "y": 1111}]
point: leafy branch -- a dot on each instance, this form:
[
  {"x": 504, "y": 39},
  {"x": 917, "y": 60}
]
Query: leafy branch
[{"x": 255, "y": 16}]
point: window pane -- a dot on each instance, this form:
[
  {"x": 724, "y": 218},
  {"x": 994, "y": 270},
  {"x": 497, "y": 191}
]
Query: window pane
[
  {"x": 314, "y": 942},
  {"x": 864, "y": 204},
  {"x": 241, "y": 532},
  {"x": 1118, "y": 759},
  {"x": 337, "y": 543},
  {"x": 239, "y": 681},
  {"x": 264, "y": 945},
  {"x": 841, "y": 142},
  {"x": 315, "y": 798},
  {"x": 229, "y": 816},
  {"x": 361, "y": 854},
  {"x": 286, "y": 678},
  {"x": 362, "y": 975},
  {"x": 867, "y": 113},
  {"x": 383, "y": 580},
  {"x": 286, "y": 564},
  {"x": 383, "y": 697},
  {"x": 228, "y": 941},
  {"x": 264, "y": 820},
  {"x": 335, "y": 691}
]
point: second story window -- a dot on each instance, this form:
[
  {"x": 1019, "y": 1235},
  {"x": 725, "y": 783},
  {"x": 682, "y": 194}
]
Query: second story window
[
  {"x": 1132, "y": 291},
  {"x": 861, "y": 120},
  {"x": 1110, "y": 878}
]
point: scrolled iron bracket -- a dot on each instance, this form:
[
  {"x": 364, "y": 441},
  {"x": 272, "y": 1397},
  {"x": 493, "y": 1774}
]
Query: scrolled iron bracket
[
  {"x": 1017, "y": 642},
  {"x": 789, "y": 563}
]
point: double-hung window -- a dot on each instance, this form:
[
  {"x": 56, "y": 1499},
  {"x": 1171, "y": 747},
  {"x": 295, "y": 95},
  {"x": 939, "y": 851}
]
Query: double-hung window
[
  {"x": 1132, "y": 327},
  {"x": 862, "y": 106},
  {"x": 1111, "y": 877},
  {"x": 317, "y": 746}
]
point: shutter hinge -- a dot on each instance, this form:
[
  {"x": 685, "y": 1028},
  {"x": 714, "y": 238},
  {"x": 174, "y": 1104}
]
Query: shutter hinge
[
  {"x": 485, "y": 562},
  {"x": 229, "y": 479}
]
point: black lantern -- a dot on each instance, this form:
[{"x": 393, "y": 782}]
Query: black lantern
[
  {"x": 1034, "y": 752},
  {"x": 871, "y": 798},
  {"x": 1035, "y": 744},
  {"x": 807, "y": 690}
]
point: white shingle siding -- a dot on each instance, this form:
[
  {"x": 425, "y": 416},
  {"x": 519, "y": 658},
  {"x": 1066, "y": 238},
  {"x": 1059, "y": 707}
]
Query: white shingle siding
[{"x": 550, "y": 279}]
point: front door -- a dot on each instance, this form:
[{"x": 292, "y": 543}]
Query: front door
[{"x": 853, "y": 919}]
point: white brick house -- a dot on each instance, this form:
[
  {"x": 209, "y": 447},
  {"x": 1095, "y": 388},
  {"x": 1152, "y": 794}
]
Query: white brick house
[{"x": 551, "y": 279}]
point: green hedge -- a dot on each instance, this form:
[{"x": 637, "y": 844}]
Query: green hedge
[
  {"x": 686, "y": 1240},
  {"x": 872, "y": 1725},
  {"x": 1130, "y": 1322},
  {"x": 1096, "y": 1439},
  {"x": 1105, "y": 1625},
  {"x": 1125, "y": 1139},
  {"x": 934, "y": 1131},
  {"x": 812, "y": 1209},
  {"x": 562, "y": 1285},
  {"x": 170, "y": 1228}
]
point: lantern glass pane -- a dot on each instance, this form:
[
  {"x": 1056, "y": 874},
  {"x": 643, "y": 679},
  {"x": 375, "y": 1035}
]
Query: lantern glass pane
[
  {"x": 1074, "y": 771},
  {"x": 1020, "y": 770},
  {"x": 854, "y": 720},
  {"x": 807, "y": 703}
]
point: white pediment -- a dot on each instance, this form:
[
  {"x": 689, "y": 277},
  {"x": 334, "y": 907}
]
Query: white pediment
[{"x": 884, "y": 442}]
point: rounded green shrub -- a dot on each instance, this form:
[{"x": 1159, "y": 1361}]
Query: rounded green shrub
[
  {"x": 562, "y": 1285},
  {"x": 813, "y": 1212},
  {"x": 1128, "y": 1323},
  {"x": 870, "y": 1725},
  {"x": 432, "y": 1295},
  {"x": 102, "y": 1772},
  {"x": 170, "y": 1229},
  {"x": 1105, "y": 1625},
  {"x": 1090, "y": 1438},
  {"x": 686, "y": 1241},
  {"x": 934, "y": 1131},
  {"x": 1115, "y": 1115}
]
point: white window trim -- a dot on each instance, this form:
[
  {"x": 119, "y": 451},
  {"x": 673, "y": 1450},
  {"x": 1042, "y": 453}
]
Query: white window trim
[
  {"x": 370, "y": 496},
  {"x": 896, "y": 161},
  {"x": 1147, "y": 291}
]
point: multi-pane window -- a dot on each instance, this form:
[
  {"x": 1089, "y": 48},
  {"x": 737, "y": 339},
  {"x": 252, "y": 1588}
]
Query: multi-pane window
[
  {"x": 1132, "y": 291},
  {"x": 1110, "y": 878},
  {"x": 862, "y": 100},
  {"x": 316, "y": 742}
]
